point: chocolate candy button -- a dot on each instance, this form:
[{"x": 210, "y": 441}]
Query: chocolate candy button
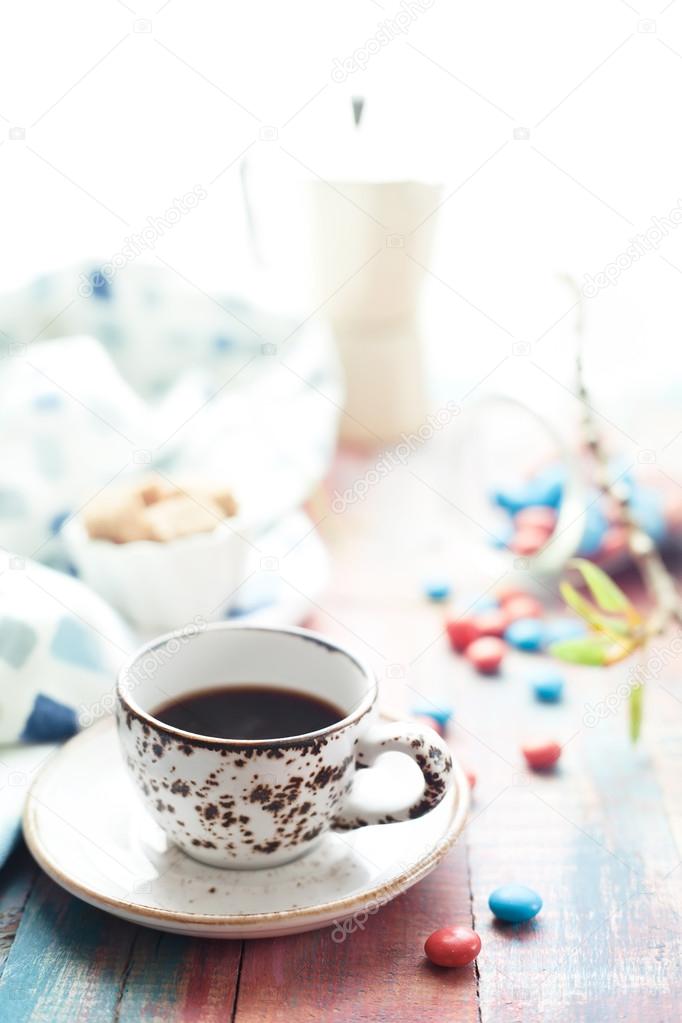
[
  {"x": 525, "y": 634},
  {"x": 515, "y": 903},
  {"x": 453, "y": 946}
]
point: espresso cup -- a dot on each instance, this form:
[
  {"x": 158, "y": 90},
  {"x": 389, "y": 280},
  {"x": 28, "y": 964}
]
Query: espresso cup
[{"x": 262, "y": 802}]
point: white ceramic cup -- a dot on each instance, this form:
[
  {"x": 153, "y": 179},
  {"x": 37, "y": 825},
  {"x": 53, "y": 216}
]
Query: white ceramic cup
[{"x": 259, "y": 803}]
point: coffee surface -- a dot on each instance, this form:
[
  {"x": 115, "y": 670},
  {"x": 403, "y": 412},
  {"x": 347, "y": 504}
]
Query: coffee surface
[{"x": 248, "y": 712}]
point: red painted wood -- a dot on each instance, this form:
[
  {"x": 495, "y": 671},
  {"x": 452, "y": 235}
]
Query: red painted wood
[{"x": 377, "y": 972}]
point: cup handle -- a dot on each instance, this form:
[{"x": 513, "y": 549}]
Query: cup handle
[{"x": 428, "y": 751}]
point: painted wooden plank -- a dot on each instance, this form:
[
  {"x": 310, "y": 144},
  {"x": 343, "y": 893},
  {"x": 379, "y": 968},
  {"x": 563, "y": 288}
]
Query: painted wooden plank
[
  {"x": 593, "y": 838},
  {"x": 371, "y": 968},
  {"x": 172, "y": 979},
  {"x": 600, "y": 839},
  {"x": 67, "y": 962},
  {"x": 18, "y": 877}
]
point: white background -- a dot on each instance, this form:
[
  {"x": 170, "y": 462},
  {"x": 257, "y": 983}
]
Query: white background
[{"x": 119, "y": 121}]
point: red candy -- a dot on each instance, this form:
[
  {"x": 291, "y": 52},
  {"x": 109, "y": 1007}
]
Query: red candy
[
  {"x": 528, "y": 540},
  {"x": 542, "y": 756},
  {"x": 486, "y": 654},
  {"x": 453, "y": 946},
  {"x": 523, "y": 606},
  {"x": 506, "y": 591},
  {"x": 536, "y": 517},
  {"x": 426, "y": 719},
  {"x": 615, "y": 542},
  {"x": 461, "y": 632},
  {"x": 492, "y": 622}
]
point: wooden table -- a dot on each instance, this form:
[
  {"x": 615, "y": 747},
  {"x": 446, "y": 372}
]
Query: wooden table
[{"x": 601, "y": 839}]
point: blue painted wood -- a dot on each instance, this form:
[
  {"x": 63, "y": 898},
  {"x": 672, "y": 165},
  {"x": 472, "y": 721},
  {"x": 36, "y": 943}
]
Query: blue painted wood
[
  {"x": 19, "y": 874},
  {"x": 179, "y": 980},
  {"x": 67, "y": 963}
]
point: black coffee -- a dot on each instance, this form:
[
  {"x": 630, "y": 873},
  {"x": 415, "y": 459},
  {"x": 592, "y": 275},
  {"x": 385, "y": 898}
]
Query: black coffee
[{"x": 248, "y": 712}]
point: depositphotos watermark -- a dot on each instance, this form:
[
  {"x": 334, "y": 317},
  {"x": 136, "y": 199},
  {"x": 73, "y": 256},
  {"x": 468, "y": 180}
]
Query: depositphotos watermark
[
  {"x": 141, "y": 241},
  {"x": 646, "y": 671},
  {"x": 397, "y": 456},
  {"x": 343, "y": 929},
  {"x": 143, "y": 670},
  {"x": 388, "y": 30},
  {"x": 641, "y": 245}
]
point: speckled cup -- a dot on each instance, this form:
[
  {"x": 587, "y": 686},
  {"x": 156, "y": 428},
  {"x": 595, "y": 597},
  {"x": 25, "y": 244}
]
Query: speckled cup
[{"x": 259, "y": 803}]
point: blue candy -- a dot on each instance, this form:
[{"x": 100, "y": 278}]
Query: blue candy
[
  {"x": 558, "y": 629},
  {"x": 548, "y": 687},
  {"x": 441, "y": 715},
  {"x": 437, "y": 589},
  {"x": 646, "y": 507},
  {"x": 515, "y": 903},
  {"x": 596, "y": 525},
  {"x": 525, "y": 634},
  {"x": 546, "y": 488}
]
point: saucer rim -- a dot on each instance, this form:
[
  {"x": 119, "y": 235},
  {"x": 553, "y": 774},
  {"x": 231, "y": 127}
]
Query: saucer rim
[{"x": 341, "y": 907}]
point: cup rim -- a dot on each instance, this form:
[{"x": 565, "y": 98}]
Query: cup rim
[{"x": 362, "y": 707}]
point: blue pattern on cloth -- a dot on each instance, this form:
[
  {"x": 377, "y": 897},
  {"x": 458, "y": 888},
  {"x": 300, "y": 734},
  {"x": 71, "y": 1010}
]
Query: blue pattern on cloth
[
  {"x": 133, "y": 371},
  {"x": 17, "y": 640},
  {"x": 49, "y": 721}
]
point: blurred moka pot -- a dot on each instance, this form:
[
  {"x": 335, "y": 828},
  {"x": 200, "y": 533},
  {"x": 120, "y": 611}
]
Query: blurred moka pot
[
  {"x": 352, "y": 237},
  {"x": 372, "y": 242}
]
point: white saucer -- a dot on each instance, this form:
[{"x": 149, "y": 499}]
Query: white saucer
[{"x": 87, "y": 829}]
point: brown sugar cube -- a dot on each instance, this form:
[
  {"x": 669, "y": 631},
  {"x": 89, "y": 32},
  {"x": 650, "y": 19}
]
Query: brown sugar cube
[
  {"x": 154, "y": 488},
  {"x": 207, "y": 491},
  {"x": 181, "y": 516},
  {"x": 226, "y": 500},
  {"x": 117, "y": 517}
]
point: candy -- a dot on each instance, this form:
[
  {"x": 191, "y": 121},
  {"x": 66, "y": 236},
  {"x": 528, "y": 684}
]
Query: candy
[
  {"x": 453, "y": 946},
  {"x": 536, "y": 517},
  {"x": 471, "y": 778},
  {"x": 507, "y": 592},
  {"x": 492, "y": 622},
  {"x": 461, "y": 632},
  {"x": 596, "y": 525},
  {"x": 522, "y": 606},
  {"x": 542, "y": 756},
  {"x": 548, "y": 687},
  {"x": 438, "y": 716},
  {"x": 528, "y": 540},
  {"x": 646, "y": 507},
  {"x": 430, "y": 722},
  {"x": 525, "y": 634},
  {"x": 437, "y": 590},
  {"x": 515, "y": 903},
  {"x": 486, "y": 654},
  {"x": 558, "y": 629},
  {"x": 615, "y": 542},
  {"x": 546, "y": 488}
]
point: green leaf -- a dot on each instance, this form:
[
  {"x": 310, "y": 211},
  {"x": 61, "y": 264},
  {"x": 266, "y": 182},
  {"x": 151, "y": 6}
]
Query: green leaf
[
  {"x": 586, "y": 650},
  {"x": 578, "y": 603},
  {"x": 608, "y": 595},
  {"x": 611, "y": 626},
  {"x": 636, "y": 708}
]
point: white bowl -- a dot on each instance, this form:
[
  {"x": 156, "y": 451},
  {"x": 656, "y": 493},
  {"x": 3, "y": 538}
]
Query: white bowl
[{"x": 160, "y": 586}]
